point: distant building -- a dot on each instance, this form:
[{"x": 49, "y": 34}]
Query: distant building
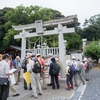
[{"x": 12, "y": 50}]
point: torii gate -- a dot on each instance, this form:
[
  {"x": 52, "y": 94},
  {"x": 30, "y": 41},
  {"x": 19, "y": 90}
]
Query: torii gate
[{"x": 39, "y": 32}]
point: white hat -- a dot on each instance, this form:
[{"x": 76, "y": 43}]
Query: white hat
[
  {"x": 17, "y": 57},
  {"x": 28, "y": 55},
  {"x": 85, "y": 59},
  {"x": 68, "y": 62},
  {"x": 50, "y": 54},
  {"x": 73, "y": 57}
]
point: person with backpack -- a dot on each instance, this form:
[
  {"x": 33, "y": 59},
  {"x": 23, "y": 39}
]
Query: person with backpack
[
  {"x": 69, "y": 75},
  {"x": 24, "y": 67},
  {"x": 53, "y": 72},
  {"x": 50, "y": 55},
  {"x": 79, "y": 71},
  {"x": 34, "y": 67},
  {"x": 74, "y": 63},
  {"x": 86, "y": 68},
  {"x": 42, "y": 73}
]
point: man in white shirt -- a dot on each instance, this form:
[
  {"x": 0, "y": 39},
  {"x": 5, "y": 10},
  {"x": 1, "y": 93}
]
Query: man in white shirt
[
  {"x": 4, "y": 72},
  {"x": 35, "y": 77}
]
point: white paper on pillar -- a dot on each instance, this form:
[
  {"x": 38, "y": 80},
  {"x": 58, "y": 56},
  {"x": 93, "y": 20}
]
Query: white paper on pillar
[{"x": 12, "y": 79}]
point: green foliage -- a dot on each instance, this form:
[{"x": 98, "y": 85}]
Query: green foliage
[
  {"x": 91, "y": 32},
  {"x": 73, "y": 41},
  {"x": 93, "y": 50}
]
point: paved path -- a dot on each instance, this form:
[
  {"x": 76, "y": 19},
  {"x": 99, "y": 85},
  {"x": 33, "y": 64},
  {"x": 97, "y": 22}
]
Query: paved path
[
  {"x": 92, "y": 91},
  {"x": 49, "y": 94}
]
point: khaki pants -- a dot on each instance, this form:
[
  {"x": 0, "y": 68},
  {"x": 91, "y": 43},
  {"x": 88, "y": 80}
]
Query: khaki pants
[
  {"x": 16, "y": 76},
  {"x": 43, "y": 80},
  {"x": 13, "y": 89},
  {"x": 35, "y": 83}
]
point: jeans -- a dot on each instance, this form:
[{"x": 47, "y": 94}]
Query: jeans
[{"x": 69, "y": 80}]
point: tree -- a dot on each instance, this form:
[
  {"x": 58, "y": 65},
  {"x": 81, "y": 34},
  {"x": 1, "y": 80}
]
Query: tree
[
  {"x": 73, "y": 41},
  {"x": 2, "y": 23},
  {"x": 93, "y": 20},
  {"x": 93, "y": 50},
  {"x": 91, "y": 32}
]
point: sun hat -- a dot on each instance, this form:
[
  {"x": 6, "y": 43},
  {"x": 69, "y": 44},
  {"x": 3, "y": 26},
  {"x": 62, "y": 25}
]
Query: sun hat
[
  {"x": 68, "y": 62},
  {"x": 85, "y": 59},
  {"x": 50, "y": 54},
  {"x": 38, "y": 55},
  {"x": 17, "y": 57},
  {"x": 73, "y": 57}
]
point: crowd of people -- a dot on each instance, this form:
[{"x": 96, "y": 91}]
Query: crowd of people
[{"x": 37, "y": 65}]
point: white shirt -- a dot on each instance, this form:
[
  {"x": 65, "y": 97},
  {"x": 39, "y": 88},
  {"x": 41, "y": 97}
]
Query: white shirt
[
  {"x": 74, "y": 63},
  {"x": 4, "y": 68},
  {"x": 30, "y": 65}
]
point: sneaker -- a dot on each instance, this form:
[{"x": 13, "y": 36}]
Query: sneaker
[
  {"x": 16, "y": 95},
  {"x": 44, "y": 88},
  {"x": 67, "y": 88},
  {"x": 49, "y": 84},
  {"x": 30, "y": 88},
  {"x": 34, "y": 96},
  {"x": 40, "y": 94}
]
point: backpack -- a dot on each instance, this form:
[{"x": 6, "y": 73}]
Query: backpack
[
  {"x": 79, "y": 66},
  {"x": 89, "y": 66},
  {"x": 55, "y": 69},
  {"x": 37, "y": 66},
  {"x": 24, "y": 63},
  {"x": 59, "y": 64},
  {"x": 72, "y": 70}
]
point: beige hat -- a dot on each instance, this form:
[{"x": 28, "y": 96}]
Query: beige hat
[
  {"x": 0, "y": 56},
  {"x": 38, "y": 55},
  {"x": 73, "y": 57},
  {"x": 29, "y": 55}
]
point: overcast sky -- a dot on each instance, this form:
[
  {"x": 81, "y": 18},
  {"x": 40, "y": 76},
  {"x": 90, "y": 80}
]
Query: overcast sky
[{"x": 83, "y": 8}]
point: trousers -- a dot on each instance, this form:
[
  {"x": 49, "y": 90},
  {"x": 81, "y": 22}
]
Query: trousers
[
  {"x": 4, "y": 92},
  {"x": 35, "y": 83}
]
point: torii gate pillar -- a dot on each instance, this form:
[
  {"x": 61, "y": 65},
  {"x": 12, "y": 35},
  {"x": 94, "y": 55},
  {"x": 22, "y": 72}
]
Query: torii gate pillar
[
  {"x": 23, "y": 44},
  {"x": 61, "y": 50}
]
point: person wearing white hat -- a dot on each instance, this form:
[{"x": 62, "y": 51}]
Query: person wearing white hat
[
  {"x": 86, "y": 67},
  {"x": 15, "y": 62},
  {"x": 69, "y": 77},
  {"x": 49, "y": 62}
]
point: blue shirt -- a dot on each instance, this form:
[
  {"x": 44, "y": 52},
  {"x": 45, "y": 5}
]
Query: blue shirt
[{"x": 15, "y": 63}]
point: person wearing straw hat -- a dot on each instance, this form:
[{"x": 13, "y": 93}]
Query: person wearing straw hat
[{"x": 35, "y": 78}]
